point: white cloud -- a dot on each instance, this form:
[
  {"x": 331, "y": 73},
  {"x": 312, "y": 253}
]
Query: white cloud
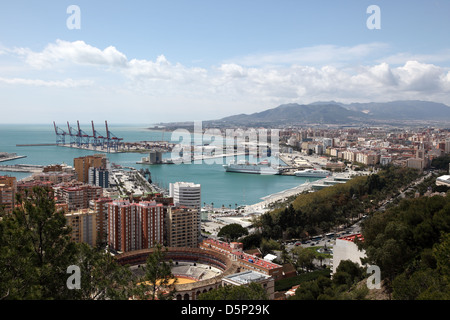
[
  {"x": 402, "y": 57},
  {"x": 77, "y": 52},
  {"x": 254, "y": 82},
  {"x": 416, "y": 76},
  {"x": 315, "y": 55},
  {"x": 67, "y": 83}
]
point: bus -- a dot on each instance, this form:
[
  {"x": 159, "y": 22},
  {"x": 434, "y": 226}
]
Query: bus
[{"x": 330, "y": 235}]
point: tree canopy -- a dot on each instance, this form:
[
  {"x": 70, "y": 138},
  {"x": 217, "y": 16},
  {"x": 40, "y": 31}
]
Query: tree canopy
[
  {"x": 232, "y": 231},
  {"x": 410, "y": 243},
  {"x": 253, "y": 291},
  {"x": 36, "y": 252}
]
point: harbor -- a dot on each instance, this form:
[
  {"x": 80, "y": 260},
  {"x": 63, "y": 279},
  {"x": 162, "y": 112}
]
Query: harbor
[{"x": 218, "y": 186}]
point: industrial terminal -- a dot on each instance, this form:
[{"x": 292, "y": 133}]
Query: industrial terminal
[{"x": 108, "y": 142}]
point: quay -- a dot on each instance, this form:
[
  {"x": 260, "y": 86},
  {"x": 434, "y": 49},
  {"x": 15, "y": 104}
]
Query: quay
[
  {"x": 22, "y": 168},
  {"x": 36, "y": 145},
  {"x": 11, "y": 157}
]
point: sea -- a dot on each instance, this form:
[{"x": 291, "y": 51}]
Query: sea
[{"x": 218, "y": 187}]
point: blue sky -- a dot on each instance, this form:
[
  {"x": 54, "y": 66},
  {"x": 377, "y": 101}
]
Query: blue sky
[{"x": 159, "y": 61}]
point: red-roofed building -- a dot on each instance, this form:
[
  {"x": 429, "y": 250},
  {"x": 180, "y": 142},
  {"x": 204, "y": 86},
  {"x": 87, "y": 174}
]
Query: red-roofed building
[{"x": 244, "y": 260}]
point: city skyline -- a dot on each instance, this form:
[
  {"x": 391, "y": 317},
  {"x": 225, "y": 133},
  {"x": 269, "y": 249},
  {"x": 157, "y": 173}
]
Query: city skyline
[{"x": 176, "y": 61}]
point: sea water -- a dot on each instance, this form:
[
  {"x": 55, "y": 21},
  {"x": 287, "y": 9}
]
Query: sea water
[{"x": 217, "y": 186}]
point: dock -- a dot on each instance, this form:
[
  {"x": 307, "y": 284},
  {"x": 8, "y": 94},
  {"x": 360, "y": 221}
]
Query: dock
[
  {"x": 36, "y": 145},
  {"x": 2, "y": 159},
  {"x": 22, "y": 168}
]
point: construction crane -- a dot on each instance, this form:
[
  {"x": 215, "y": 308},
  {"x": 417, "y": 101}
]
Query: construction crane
[
  {"x": 84, "y": 138},
  {"x": 81, "y": 139},
  {"x": 111, "y": 140},
  {"x": 60, "y": 135},
  {"x": 98, "y": 139},
  {"x": 74, "y": 136}
]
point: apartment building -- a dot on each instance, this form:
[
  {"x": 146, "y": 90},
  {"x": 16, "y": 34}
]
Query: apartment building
[
  {"x": 82, "y": 165},
  {"x": 77, "y": 196},
  {"x": 98, "y": 177},
  {"x": 8, "y": 189},
  {"x": 100, "y": 208},
  {"x": 187, "y": 194},
  {"x": 134, "y": 226},
  {"x": 182, "y": 227},
  {"x": 84, "y": 226}
]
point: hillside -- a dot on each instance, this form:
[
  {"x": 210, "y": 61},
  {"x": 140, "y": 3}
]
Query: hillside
[{"x": 339, "y": 113}]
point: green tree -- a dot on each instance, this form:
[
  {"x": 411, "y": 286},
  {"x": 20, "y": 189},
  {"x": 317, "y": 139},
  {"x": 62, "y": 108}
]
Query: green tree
[
  {"x": 157, "y": 274},
  {"x": 102, "y": 278},
  {"x": 304, "y": 259},
  {"x": 232, "y": 231},
  {"x": 36, "y": 251},
  {"x": 268, "y": 246},
  {"x": 253, "y": 291},
  {"x": 404, "y": 240}
]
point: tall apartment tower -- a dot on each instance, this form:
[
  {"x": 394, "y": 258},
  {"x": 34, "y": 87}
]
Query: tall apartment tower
[
  {"x": 98, "y": 177},
  {"x": 83, "y": 225},
  {"x": 447, "y": 146},
  {"x": 182, "y": 227},
  {"x": 100, "y": 208},
  {"x": 186, "y": 194},
  {"x": 82, "y": 165},
  {"x": 8, "y": 189},
  {"x": 135, "y": 226}
]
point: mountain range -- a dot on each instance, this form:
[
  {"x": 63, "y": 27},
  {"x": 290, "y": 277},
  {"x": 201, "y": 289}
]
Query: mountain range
[{"x": 339, "y": 113}]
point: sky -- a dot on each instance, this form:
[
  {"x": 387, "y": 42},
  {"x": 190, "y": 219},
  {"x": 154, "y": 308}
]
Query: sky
[{"x": 179, "y": 60}]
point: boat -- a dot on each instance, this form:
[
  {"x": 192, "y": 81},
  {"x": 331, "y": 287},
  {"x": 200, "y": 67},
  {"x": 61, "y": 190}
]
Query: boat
[
  {"x": 242, "y": 166},
  {"x": 314, "y": 173}
]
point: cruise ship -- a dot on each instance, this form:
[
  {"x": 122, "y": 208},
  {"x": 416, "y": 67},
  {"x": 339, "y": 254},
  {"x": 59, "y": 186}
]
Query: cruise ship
[
  {"x": 313, "y": 173},
  {"x": 263, "y": 167}
]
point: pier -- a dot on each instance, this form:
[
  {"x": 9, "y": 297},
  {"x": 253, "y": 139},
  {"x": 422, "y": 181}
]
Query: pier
[
  {"x": 36, "y": 145},
  {"x": 22, "y": 168},
  {"x": 9, "y": 156}
]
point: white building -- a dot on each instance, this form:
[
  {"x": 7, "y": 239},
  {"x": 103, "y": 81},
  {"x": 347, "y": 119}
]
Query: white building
[
  {"x": 346, "y": 249},
  {"x": 443, "y": 181},
  {"x": 246, "y": 277},
  {"x": 187, "y": 194}
]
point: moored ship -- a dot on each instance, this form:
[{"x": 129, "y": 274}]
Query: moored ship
[
  {"x": 263, "y": 167},
  {"x": 314, "y": 173}
]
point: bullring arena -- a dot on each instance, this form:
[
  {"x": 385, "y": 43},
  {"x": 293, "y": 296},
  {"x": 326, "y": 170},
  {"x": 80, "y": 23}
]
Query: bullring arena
[{"x": 197, "y": 270}]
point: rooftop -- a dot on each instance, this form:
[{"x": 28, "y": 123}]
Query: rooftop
[
  {"x": 246, "y": 277},
  {"x": 242, "y": 255},
  {"x": 352, "y": 237}
]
